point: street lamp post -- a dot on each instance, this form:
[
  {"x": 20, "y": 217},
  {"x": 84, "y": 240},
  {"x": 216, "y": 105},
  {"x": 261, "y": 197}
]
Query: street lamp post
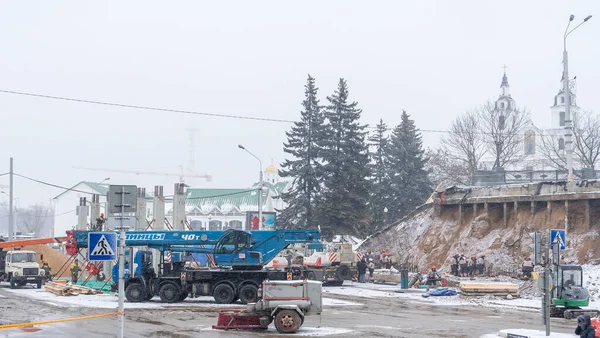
[
  {"x": 567, "y": 95},
  {"x": 259, "y": 187}
]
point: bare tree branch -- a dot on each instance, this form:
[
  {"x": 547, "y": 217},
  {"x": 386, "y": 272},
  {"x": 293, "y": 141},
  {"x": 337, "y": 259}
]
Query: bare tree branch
[
  {"x": 586, "y": 139},
  {"x": 465, "y": 143},
  {"x": 502, "y": 132}
]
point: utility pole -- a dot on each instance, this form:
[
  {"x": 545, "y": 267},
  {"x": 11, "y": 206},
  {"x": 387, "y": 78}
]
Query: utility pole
[
  {"x": 11, "y": 225},
  {"x": 567, "y": 96},
  {"x": 260, "y": 220}
]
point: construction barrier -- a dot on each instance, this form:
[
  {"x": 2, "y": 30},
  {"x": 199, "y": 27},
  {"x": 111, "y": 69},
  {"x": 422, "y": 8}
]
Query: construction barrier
[{"x": 12, "y": 326}]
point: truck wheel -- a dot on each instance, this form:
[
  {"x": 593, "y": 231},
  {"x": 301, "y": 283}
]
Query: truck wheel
[
  {"x": 135, "y": 293},
  {"x": 343, "y": 272},
  {"x": 249, "y": 294},
  {"x": 169, "y": 293},
  {"x": 287, "y": 321},
  {"x": 224, "y": 294},
  {"x": 183, "y": 296},
  {"x": 311, "y": 275}
]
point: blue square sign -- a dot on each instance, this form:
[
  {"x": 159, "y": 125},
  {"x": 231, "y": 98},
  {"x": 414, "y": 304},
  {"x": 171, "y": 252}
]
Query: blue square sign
[
  {"x": 102, "y": 246},
  {"x": 559, "y": 236}
]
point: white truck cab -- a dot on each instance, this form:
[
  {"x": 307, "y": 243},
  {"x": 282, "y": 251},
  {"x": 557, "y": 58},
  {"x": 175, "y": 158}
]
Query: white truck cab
[{"x": 20, "y": 267}]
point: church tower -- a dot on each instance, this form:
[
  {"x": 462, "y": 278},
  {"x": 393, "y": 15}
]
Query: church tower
[
  {"x": 505, "y": 102},
  {"x": 557, "y": 111}
]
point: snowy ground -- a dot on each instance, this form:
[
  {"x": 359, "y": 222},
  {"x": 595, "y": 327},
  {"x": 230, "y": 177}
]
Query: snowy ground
[
  {"x": 109, "y": 301},
  {"x": 528, "y": 333}
]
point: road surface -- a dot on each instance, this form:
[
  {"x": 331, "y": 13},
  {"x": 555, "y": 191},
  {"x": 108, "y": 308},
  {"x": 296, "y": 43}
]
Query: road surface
[{"x": 373, "y": 317}]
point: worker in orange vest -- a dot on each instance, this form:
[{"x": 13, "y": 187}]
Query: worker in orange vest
[{"x": 527, "y": 267}]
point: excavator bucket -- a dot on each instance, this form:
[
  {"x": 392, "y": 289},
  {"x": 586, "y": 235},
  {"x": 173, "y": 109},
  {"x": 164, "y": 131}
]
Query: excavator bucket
[{"x": 239, "y": 319}]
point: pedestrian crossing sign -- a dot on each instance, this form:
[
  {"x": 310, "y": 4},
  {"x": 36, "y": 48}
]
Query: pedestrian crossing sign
[
  {"x": 559, "y": 237},
  {"x": 102, "y": 246}
]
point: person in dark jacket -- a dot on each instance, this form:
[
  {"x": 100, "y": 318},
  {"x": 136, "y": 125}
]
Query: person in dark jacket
[
  {"x": 584, "y": 327},
  {"x": 361, "y": 266}
]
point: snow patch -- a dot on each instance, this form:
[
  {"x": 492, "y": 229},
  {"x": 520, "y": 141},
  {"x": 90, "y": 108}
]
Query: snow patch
[
  {"x": 527, "y": 333},
  {"x": 304, "y": 331}
]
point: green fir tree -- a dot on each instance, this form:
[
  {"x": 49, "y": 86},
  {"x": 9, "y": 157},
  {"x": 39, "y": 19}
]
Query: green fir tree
[
  {"x": 304, "y": 143},
  {"x": 343, "y": 208},
  {"x": 409, "y": 182}
]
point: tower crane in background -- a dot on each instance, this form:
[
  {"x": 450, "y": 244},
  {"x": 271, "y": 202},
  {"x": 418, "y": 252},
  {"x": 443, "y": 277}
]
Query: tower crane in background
[{"x": 181, "y": 175}]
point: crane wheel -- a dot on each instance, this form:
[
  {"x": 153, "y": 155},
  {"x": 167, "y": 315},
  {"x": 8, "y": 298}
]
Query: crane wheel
[
  {"x": 248, "y": 294},
  {"x": 169, "y": 293},
  {"x": 311, "y": 275},
  {"x": 343, "y": 272},
  {"x": 568, "y": 314},
  {"x": 287, "y": 321},
  {"x": 135, "y": 293},
  {"x": 224, "y": 294}
]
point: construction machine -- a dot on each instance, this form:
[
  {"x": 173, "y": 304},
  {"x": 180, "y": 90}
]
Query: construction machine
[
  {"x": 332, "y": 264},
  {"x": 20, "y": 267},
  {"x": 569, "y": 295},
  {"x": 285, "y": 303},
  {"x": 239, "y": 255}
]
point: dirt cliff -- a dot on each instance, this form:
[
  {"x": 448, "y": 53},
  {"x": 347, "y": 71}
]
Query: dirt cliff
[{"x": 426, "y": 237}]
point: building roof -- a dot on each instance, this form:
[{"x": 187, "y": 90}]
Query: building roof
[
  {"x": 221, "y": 197},
  {"x": 100, "y": 189}
]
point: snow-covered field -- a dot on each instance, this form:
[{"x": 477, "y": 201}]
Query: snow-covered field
[{"x": 109, "y": 301}]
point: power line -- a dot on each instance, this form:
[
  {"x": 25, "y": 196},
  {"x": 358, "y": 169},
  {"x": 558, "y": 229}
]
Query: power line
[
  {"x": 4, "y": 174},
  {"x": 190, "y": 112},
  {"x": 145, "y": 107},
  {"x": 52, "y": 185}
]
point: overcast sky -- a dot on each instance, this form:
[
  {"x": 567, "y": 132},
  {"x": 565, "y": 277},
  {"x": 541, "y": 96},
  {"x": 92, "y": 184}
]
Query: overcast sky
[{"x": 251, "y": 58}]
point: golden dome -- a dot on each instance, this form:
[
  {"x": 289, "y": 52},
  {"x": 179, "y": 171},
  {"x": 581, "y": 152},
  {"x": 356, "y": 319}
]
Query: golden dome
[{"x": 271, "y": 169}]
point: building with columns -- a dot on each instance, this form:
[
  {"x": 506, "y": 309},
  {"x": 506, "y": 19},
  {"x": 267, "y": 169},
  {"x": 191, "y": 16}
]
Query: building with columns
[{"x": 217, "y": 209}]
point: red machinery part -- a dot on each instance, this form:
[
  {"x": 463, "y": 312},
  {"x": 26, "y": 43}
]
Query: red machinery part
[
  {"x": 239, "y": 319},
  {"x": 71, "y": 244},
  {"x": 92, "y": 269}
]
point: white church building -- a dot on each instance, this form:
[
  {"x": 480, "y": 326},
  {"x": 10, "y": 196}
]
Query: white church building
[{"x": 531, "y": 155}]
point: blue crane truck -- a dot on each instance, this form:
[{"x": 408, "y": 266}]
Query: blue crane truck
[{"x": 240, "y": 256}]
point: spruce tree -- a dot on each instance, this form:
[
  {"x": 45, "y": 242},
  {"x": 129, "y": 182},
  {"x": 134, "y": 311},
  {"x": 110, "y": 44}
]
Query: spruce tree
[
  {"x": 380, "y": 195},
  {"x": 409, "y": 182},
  {"x": 346, "y": 159},
  {"x": 304, "y": 145}
]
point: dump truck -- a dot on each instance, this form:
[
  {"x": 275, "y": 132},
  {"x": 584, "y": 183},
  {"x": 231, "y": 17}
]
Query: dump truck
[{"x": 20, "y": 267}]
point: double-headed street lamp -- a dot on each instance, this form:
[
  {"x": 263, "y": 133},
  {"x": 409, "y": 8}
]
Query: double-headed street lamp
[
  {"x": 259, "y": 188},
  {"x": 567, "y": 95}
]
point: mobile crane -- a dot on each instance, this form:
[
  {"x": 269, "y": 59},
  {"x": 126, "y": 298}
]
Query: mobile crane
[{"x": 240, "y": 256}]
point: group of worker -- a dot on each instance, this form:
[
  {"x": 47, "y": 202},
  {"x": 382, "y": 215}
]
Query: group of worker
[
  {"x": 383, "y": 259},
  {"x": 464, "y": 266},
  {"x": 75, "y": 270},
  {"x": 362, "y": 266}
]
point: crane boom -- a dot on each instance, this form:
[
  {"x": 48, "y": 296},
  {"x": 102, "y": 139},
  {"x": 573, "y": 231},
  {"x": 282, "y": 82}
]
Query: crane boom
[
  {"x": 141, "y": 172},
  {"x": 251, "y": 249},
  {"x": 35, "y": 241}
]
